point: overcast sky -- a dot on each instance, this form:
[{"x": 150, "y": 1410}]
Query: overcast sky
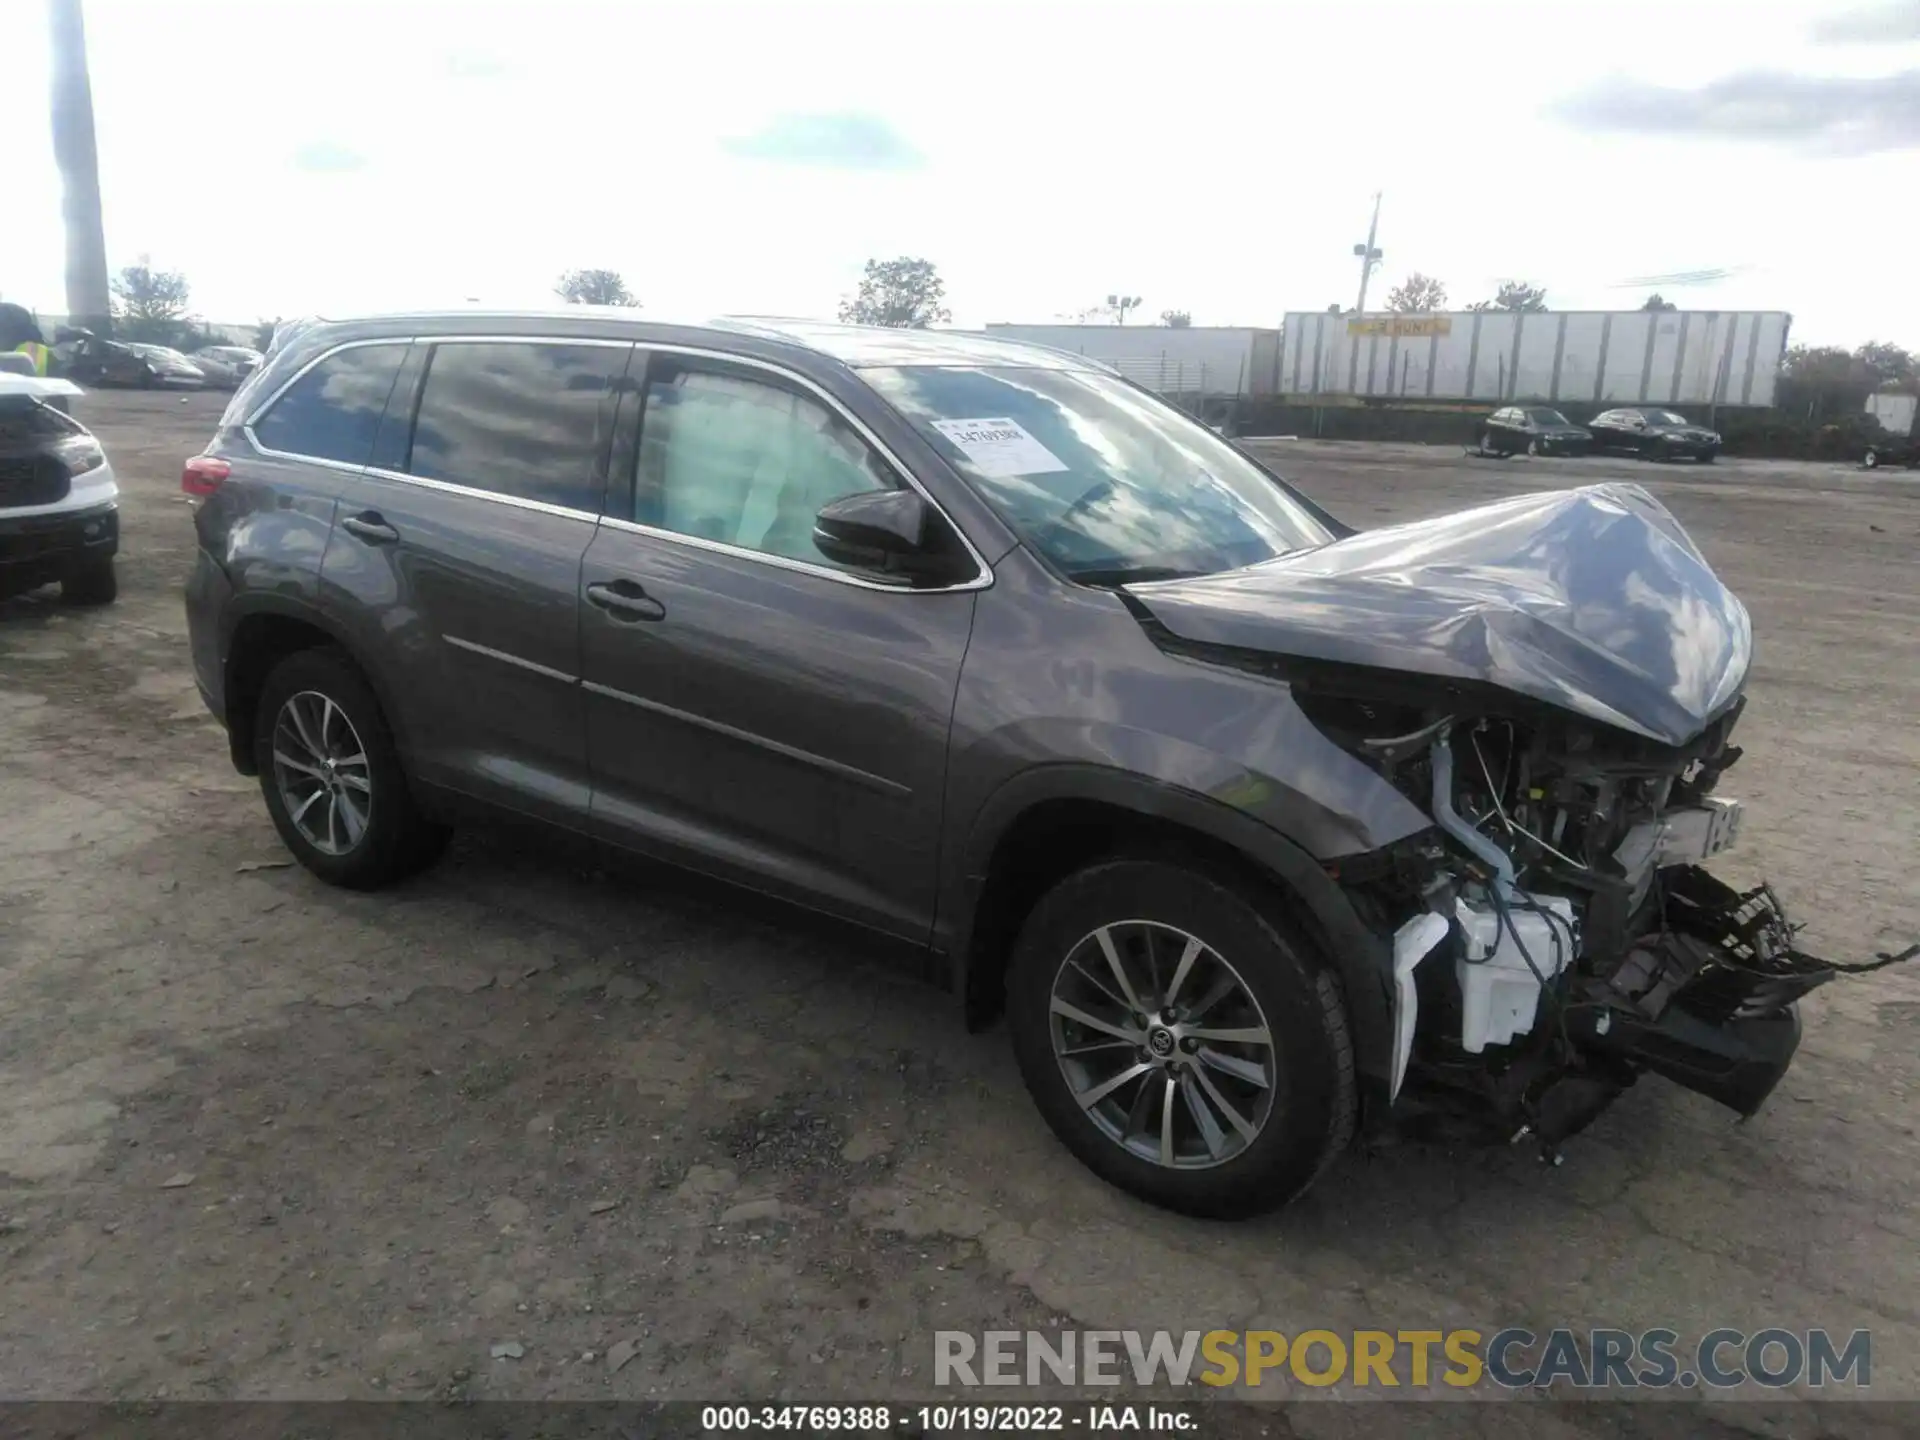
[{"x": 301, "y": 156}]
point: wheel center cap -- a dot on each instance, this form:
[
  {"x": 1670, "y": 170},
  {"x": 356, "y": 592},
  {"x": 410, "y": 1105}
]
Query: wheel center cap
[{"x": 1160, "y": 1041}]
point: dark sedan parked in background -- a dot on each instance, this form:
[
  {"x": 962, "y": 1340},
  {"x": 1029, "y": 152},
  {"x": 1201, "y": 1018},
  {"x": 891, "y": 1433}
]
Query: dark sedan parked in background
[
  {"x": 1894, "y": 450},
  {"x": 88, "y": 360},
  {"x": 226, "y": 366},
  {"x": 1533, "y": 430},
  {"x": 1654, "y": 435}
]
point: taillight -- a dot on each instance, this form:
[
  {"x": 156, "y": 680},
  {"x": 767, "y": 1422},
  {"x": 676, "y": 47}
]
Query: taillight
[{"x": 203, "y": 475}]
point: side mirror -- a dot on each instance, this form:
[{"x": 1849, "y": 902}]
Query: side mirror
[{"x": 885, "y": 531}]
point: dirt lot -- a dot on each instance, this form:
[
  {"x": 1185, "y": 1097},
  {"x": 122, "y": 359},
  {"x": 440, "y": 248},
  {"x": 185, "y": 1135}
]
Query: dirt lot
[{"x": 261, "y": 1138}]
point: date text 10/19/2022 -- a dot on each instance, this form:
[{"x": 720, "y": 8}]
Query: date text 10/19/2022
[{"x": 941, "y": 1419}]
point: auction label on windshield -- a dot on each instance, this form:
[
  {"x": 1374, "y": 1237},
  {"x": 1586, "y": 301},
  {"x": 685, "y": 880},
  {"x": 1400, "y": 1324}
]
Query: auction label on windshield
[{"x": 999, "y": 448}]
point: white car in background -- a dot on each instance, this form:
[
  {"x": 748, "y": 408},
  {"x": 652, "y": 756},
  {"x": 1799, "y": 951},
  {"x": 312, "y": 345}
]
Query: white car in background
[{"x": 59, "y": 502}]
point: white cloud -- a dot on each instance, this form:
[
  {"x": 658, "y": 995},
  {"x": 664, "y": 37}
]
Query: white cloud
[{"x": 1214, "y": 158}]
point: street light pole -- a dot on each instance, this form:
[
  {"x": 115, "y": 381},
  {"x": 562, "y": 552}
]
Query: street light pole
[
  {"x": 76, "y": 154},
  {"x": 1369, "y": 255}
]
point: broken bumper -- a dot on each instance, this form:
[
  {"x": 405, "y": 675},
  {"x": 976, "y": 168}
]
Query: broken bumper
[{"x": 1709, "y": 998}]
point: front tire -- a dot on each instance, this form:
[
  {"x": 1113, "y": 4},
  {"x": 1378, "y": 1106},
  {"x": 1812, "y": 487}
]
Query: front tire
[
  {"x": 1871, "y": 460},
  {"x": 1533, "y": 449},
  {"x": 1182, "y": 1038},
  {"x": 332, "y": 776},
  {"x": 92, "y": 582}
]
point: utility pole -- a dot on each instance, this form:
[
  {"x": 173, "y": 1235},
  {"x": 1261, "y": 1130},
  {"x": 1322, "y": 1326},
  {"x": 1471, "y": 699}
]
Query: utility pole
[
  {"x": 1369, "y": 255},
  {"x": 77, "y": 155}
]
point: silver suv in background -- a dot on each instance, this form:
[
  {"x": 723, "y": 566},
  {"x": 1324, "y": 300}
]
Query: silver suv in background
[{"x": 1258, "y": 830}]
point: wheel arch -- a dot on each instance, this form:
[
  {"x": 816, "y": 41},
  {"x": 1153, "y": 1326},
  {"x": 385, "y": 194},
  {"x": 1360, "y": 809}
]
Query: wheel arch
[
  {"x": 263, "y": 631},
  {"x": 1045, "y": 823}
]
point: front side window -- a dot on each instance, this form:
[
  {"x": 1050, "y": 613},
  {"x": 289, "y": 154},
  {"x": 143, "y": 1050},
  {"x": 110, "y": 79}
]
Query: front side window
[
  {"x": 333, "y": 411},
  {"x": 736, "y": 459},
  {"x": 1108, "y": 483},
  {"x": 518, "y": 418}
]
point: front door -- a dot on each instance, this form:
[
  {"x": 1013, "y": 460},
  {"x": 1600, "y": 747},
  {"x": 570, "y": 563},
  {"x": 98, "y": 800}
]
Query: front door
[
  {"x": 455, "y": 556},
  {"x": 753, "y": 708}
]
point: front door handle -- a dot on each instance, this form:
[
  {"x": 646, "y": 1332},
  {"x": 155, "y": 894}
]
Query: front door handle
[
  {"x": 626, "y": 600},
  {"x": 370, "y": 527}
]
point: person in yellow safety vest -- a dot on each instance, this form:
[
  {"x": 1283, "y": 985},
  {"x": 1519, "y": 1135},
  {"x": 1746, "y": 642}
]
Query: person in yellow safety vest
[{"x": 20, "y": 331}]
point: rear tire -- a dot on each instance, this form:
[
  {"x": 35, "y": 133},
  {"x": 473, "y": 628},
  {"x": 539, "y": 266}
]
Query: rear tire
[
  {"x": 1489, "y": 446},
  {"x": 1871, "y": 460},
  {"x": 1533, "y": 449},
  {"x": 1301, "y": 1117},
  {"x": 92, "y": 582},
  {"x": 354, "y": 823}
]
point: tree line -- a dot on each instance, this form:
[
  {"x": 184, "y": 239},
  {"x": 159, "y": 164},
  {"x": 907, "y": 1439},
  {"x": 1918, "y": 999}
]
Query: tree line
[{"x": 152, "y": 305}]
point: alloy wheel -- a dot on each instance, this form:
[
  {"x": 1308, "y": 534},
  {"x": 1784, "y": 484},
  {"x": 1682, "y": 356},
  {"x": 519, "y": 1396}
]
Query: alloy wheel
[
  {"x": 1163, "y": 1044},
  {"x": 320, "y": 767}
]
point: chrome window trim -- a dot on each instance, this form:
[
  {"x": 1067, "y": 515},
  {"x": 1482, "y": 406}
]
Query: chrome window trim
[
  {"x": 449, "y": 487},
  {"x": 982, "y": 578},
  {"x": 501, "y": 655}
]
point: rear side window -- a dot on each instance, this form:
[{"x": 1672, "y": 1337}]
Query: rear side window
[
  {"x": 527, "y": 420},
  {"x": 333, "y": 411}
]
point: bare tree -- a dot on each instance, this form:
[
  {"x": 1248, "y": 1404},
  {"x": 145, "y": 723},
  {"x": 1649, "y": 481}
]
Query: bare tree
[
  {"x": 595, "y": 287},
  {"x": 1176, "y": 319},
  {"x": 1417, "y": 293},
  {"x": 1657, "y": 302},
  {"x": 78, "y": 156}
]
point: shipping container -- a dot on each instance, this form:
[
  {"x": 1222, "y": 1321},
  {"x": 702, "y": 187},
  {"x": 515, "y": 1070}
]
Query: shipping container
[
  {"x": 1170, "y": 360},
  {"x": 1598, "y": 357}
]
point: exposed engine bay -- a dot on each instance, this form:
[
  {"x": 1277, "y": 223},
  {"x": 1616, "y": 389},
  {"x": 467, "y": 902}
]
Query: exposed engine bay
[
  {"x": 1551, "y": 683},
  {"x": 1559, "y": 934}
]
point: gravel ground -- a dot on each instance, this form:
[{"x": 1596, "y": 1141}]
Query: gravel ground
[{"x": 259, "y": 1138}]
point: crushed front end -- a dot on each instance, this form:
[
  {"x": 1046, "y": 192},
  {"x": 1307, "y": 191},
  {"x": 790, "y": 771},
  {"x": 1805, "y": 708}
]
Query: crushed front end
[
  {"x": 1551, "y": 683},
  {"x": 1557, "y": 935}
]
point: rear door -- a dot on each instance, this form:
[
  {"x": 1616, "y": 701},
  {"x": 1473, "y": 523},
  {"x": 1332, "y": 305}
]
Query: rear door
[
  {"x": 455, "y": 559},
  {"x": 752, "y": 708}
]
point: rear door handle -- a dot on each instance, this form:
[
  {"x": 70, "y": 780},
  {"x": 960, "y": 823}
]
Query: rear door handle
[
  {"x": 369, "y": 526},
  {"x": 625, "y": 600}
]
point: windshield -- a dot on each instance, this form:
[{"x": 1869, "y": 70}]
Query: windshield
[
  {"x": 1105, "y": 481},
  {"x": 1547, "y": 417}
]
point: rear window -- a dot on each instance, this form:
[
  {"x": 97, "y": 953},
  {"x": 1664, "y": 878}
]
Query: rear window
[
  {"x": 518, "y": 418},
  {"x": 333, "y": 411}
]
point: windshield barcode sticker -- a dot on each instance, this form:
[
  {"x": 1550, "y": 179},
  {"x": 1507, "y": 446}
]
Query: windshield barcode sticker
[{"x": 999, "y": 448}]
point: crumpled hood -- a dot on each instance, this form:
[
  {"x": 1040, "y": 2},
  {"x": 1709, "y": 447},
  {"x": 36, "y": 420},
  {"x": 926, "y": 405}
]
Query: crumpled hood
[{"x": 1592, "y": 600}]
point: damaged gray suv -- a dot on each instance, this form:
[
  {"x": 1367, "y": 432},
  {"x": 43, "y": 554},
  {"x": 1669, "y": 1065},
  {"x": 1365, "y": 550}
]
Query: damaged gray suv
[{"x": 1259, "y": 831}]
